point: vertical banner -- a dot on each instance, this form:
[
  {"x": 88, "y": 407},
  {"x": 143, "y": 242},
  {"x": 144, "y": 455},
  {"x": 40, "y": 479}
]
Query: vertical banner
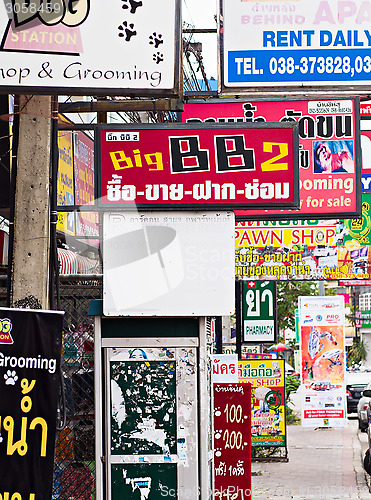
[
  {"x": 65, "y": 183},
  {"x": 321, "y": 324},
  {"x": 30, "y": 353},
  {"x": 268, "y": 417},
  {"x": 232, "y": 441},
  {"x": 259, "y": 311}
]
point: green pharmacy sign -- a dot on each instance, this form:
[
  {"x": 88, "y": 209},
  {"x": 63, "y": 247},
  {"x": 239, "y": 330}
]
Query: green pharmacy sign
[{"x": 259, "y": 311}]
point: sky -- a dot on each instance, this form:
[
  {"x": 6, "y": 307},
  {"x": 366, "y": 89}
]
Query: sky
[{"x": 200, "y": 14}]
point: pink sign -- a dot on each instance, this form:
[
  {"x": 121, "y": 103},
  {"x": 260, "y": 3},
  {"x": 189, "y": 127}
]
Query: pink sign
[
  {"x": 233, "y": 166},
  {"x": 329, "y": 158},
  {"x": 38, "y": 37}
]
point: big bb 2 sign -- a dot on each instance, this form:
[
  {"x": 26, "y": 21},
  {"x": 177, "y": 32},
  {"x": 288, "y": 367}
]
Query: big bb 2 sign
[{"x": 198, "y": 166}]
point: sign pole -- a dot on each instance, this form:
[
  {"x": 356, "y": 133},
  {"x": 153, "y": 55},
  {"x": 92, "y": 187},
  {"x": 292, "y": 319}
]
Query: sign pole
[{"x": 30, "y": 258}]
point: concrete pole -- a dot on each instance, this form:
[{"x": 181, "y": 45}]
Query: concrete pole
[{"x": 30, "y": 255}]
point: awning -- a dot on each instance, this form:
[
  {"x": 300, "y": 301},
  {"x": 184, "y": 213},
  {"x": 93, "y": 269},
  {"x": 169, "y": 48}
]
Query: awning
[{"x": 73, "y": 263}]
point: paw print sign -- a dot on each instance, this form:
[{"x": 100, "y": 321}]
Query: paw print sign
[
  {"x": 5, "y": 329},
  {"x": 10, "y": 377}
]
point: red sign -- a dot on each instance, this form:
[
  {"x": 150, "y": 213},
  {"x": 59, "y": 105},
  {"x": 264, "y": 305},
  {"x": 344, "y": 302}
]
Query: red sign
[
  {"x": 354, "y": 282},
  {"x": 329, "y": 151},
  {"x": 232, "y": 441},
  {"x": 199, "y": 166},
  {"x": 365, "y": 108}
]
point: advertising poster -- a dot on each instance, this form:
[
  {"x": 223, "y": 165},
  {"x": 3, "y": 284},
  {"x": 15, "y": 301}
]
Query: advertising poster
[
  {"x": 83, "y": 156},
  {"x": 294, "y": 44},
  {"x": 321, "y": 322},
  {"x": 198, "y": 166},
  {"x": 52, "y": 46},
  {"x": 329, "y": 150},
  {"x": 30, "y": 353},
  {"x": 259, "y": 311},
  {"x": 268, "y": 417},
  {"x": 65, "y": 183},
  {"x": 232, "y": 441}
]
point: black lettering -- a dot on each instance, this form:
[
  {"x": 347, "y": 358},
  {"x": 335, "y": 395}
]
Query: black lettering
[
  {"x": 190, "y": 157},
  {"x": 231, "y": 153}
]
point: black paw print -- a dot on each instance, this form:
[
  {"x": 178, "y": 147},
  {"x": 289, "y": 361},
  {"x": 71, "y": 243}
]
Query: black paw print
[
  {"x": 133, "y": 5},
  {"x": 158, "y": 57},
  {"x": 155, "y": 39},
  {"x": 127, "y": 31}
]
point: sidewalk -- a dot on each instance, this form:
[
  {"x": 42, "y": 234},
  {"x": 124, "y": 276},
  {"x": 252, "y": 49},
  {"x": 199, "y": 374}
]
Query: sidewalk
[{"x": 323, "y": 464}]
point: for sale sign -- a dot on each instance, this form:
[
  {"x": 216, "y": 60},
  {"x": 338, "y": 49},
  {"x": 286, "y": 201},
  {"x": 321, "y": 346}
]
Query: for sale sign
[{"x": 199, "y": 166}]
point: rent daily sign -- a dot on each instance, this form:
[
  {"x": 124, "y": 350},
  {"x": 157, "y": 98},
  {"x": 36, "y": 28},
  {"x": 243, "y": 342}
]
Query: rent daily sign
[
  {"x": 199, "y": 166},
  {"x": 301, "y": 43}
]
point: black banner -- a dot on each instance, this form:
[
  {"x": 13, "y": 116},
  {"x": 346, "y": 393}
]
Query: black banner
[{"x": 30, "y": 353}]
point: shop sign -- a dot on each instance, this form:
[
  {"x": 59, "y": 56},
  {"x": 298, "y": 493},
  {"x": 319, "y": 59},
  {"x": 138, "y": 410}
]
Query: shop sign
[
  {"x": 65, "y": 183},
  {"x": 174, "y": 263},
  {"x": 259, "y": 311},
  {"x": 225, "y": 368},
  {"x": 304, "y": 249},
  {"x": 329, "y": 150},
  {"x": 30, "y": 354},
  {"x": 198, "y": 166}
]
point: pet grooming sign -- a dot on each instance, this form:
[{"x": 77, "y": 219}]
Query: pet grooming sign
[{"x": 109, "y": 48}]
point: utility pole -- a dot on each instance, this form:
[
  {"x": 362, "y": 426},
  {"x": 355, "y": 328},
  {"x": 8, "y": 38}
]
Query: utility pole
[{"x": 29, "y": 259}]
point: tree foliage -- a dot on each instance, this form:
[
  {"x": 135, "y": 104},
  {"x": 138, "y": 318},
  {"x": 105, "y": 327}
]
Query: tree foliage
[
  {"x": 287, "y": 300},
  {"x": 357, "y": 352}
]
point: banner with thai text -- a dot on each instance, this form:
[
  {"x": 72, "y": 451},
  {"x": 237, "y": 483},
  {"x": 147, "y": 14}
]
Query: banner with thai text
[
  {"x": 198, "y": 166},
  {"x": 329, "y": 150},
  {"x": 322, "y": 332},
  {"x": 225, "y": 368},
  {"x": 30, "y": 353},
  {"x": 232, "y": 441},
  {"x": 268, "y": 417},
  {"x": 55, "y": 47},
  {"x": 305, "y": 250}
]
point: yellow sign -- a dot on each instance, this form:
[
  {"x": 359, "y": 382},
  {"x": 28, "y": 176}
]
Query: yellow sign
[
  {"x": 65, "y": 184},
  {"x": 268, "y": 418}
]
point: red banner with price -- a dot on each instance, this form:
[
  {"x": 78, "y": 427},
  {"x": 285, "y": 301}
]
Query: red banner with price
[{"x": 232, "y": 441}]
